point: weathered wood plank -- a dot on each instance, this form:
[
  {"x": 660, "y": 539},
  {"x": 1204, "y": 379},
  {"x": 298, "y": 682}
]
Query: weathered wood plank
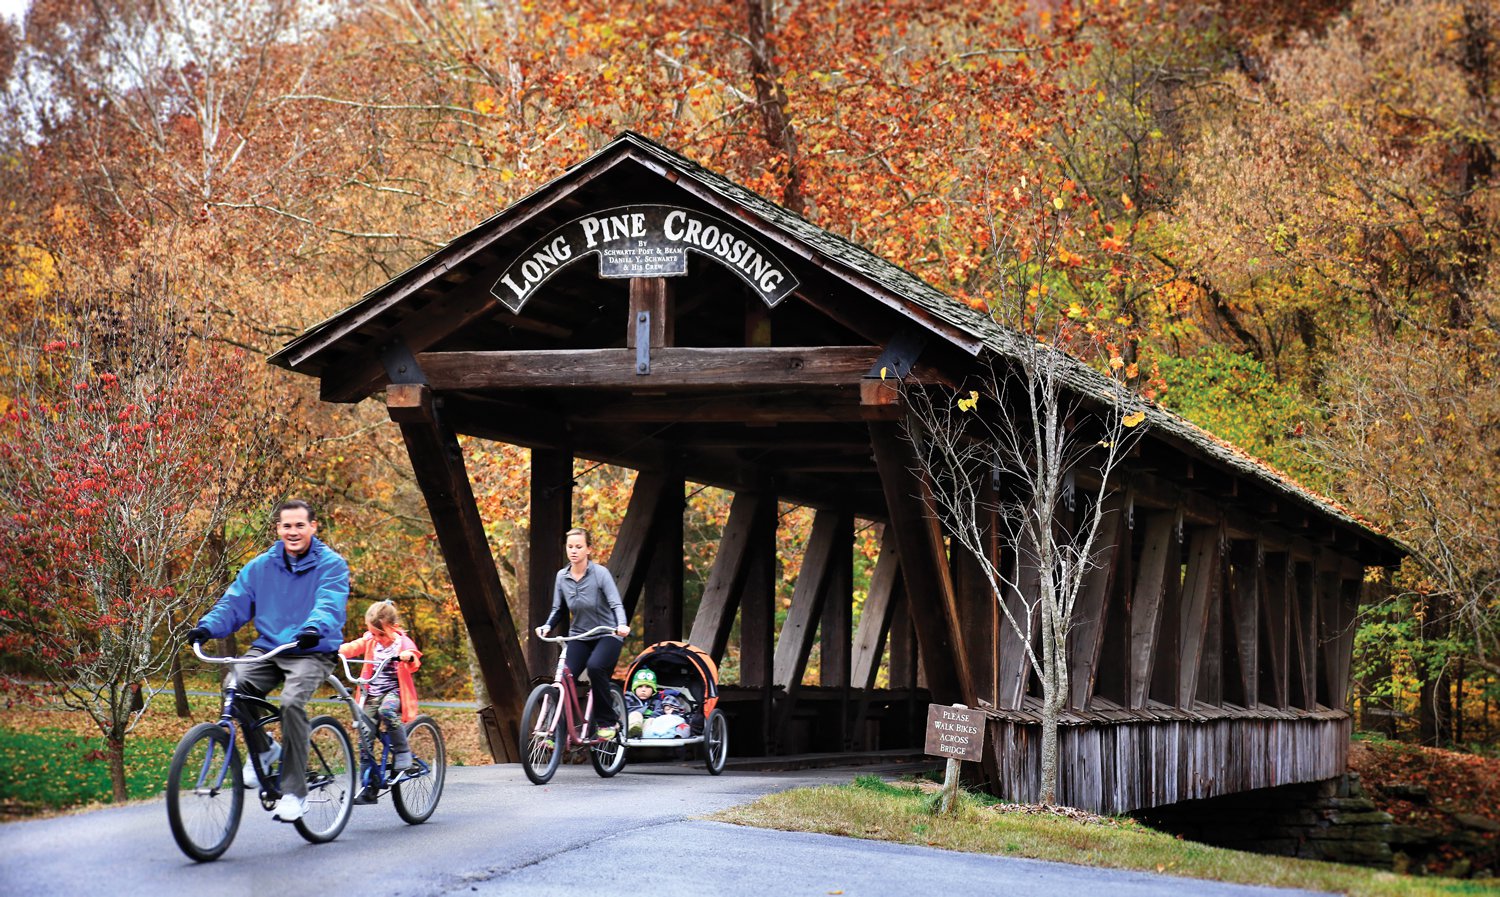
[
  {"x": 551, "y": 506},
  {"x": 671, "y": 367},
  {"x": 438, "y": 464},
  {"x": 1158, "y": 547}
]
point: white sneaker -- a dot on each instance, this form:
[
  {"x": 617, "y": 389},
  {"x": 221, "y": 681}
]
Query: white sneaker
[
  {"x": 267, "y": 758},
  {"x": 290, "y": 808}
]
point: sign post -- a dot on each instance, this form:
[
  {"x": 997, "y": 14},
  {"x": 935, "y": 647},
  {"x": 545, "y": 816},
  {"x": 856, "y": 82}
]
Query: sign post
[{"x": 954, "y": 733}]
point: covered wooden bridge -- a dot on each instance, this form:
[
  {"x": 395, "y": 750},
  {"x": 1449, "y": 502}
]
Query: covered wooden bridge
[{"x": 643, "y": 311}]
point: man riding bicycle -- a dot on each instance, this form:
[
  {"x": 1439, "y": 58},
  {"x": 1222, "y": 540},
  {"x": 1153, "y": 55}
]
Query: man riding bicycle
[{"x": 297, "y": 591}]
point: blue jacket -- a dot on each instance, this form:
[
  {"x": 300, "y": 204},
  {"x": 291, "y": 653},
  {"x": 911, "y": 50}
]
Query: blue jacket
[{"x": 283, "y": 599}]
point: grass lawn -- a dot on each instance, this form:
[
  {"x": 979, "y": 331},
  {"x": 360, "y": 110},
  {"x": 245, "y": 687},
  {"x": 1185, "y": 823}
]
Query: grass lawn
[
  {"x": 873, "y": 809},
  {"x": 55, "y": 768},
  {"x": 54, "y": 759}
]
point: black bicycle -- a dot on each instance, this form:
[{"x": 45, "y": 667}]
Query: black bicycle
[{"x": 205, "y": 783}]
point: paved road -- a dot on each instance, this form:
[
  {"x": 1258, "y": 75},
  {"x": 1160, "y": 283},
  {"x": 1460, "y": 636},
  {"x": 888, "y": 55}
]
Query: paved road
[{"x": 494, "y": 833}]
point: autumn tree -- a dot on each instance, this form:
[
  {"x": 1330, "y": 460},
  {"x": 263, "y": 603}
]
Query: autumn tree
[
  {"x": 1027, "y": 451},
  {"x": 1411, "y": 437},
  {"x": 126, "y": 451}
]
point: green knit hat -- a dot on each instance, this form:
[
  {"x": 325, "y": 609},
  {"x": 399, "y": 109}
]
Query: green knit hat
[{"x": 643, "y": 676}]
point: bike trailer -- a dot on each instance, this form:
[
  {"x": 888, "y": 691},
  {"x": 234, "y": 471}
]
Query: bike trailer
[{"x": 692, "y": 673}]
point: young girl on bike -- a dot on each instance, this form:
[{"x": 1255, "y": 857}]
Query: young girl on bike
[
  {"x": 593, "y": 600},
  {"x": 389, "y": 696}
]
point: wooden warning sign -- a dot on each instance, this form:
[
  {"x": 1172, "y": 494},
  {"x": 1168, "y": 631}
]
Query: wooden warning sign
[{"x": 955, "y": 733}]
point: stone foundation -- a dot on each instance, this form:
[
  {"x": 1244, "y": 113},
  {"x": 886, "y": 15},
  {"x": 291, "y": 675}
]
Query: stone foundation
[{"x": 1331, "y": 820}]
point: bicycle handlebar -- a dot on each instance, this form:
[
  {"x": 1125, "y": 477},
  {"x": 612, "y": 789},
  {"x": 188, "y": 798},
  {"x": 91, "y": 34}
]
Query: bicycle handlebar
[
  {"x": 597, "y": 630},
  {"x": 362, "y": 680},
  {"x": 198, "y": 650}
]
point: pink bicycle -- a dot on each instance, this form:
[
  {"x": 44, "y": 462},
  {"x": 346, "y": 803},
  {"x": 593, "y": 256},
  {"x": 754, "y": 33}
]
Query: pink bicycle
[{"x": 553, "y": 723}]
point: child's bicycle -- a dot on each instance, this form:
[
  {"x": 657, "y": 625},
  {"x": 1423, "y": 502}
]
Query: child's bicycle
[
  {"x": 205, "y": 783},
  {"x": 415, "y": 790},
  {"x": 552, "y": 721}
]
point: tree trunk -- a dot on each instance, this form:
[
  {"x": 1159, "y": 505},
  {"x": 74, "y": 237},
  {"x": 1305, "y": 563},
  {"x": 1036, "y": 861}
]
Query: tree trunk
[
  {"x": 771, "y": 100},
  {"x": 115, "y": 744},
  {"x": 179, "y": 688}
]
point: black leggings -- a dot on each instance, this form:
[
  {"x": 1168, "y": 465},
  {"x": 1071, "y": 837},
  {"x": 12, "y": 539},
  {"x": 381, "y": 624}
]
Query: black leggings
[{"x": 599, "y": 657}]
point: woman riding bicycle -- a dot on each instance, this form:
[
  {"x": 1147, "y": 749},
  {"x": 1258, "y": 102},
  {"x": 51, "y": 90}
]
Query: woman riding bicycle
[{"x": 593, "y": 600}]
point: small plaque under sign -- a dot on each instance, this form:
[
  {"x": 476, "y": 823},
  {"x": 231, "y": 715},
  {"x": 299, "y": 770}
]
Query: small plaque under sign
[{"x": 955, "y": 733}]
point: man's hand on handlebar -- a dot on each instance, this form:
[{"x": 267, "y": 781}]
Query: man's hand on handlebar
[
  {"x": 198, "y": 635},
  {"x": 308, "y": 638}
]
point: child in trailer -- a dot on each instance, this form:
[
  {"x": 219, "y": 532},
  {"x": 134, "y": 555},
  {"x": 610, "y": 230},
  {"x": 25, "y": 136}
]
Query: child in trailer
[
  {"x": 389, "y": 696},
  {"x": 643, "y": 701}
]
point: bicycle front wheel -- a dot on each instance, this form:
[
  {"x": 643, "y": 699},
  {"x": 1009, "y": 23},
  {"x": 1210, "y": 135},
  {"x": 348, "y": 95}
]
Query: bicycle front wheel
[
  {"x": 205, "y": 792},
  {"x": 608, "y": 756},
  {"x": 418, "y": 789},
  {"x": 543, "y": 733},
  {"x": 330, "y": 781}
]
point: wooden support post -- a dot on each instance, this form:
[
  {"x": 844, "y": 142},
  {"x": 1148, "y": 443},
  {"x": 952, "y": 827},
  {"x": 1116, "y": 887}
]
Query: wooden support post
[
  {"x": 631, "y": 556},
  {"x": 758, "y": 617},
  {"x": 1244, "y": 607},
  {"x": 1013, "y": 667},
  {"x": 438, "y": 464},
  {"x": 551, "y": 505},
  {"x": 726, "y": 581},
  {"x": 1211, "y": 662},
  {"x": 1276, "y": 630},
  {"x": 654, "y": 296},
  {"x": 1199, "y": 588},
  {"x": 795, "y": 642},
  {"x": 869, "y": 640},
  {"x": 836, "y": 637},
  {"x": 978, "y": 609},
  {"x": 1304, "y": 613},
  {"x": 924, "y": 567},
  {"x": 1158, "y": 549},
  {"x": 661, "y": 617},
  {"x": 1087, "y": 625},
  {"x": 1332, "y": 683}
]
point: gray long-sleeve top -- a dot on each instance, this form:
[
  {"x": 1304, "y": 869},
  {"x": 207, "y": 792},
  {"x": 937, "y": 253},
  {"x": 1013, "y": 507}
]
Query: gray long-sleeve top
[{"x": 592, "y": 601}]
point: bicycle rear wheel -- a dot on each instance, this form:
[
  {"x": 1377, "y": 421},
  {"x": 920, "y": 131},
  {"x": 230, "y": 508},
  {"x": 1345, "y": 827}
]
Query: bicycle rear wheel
[
  {"x": 543, "y": 736},
  {"x": 417, "y": 790},
  {"x": 205, "y": 792},
  {"x": 608, "y": 756},
  {"x": 330, "y": 781}
]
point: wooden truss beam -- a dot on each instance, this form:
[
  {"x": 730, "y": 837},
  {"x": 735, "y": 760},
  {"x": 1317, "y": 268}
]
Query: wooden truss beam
[
  {"x": 1086, "y": 640},
  {"x": 924, "y": 566},
  {"x": 669, "y": 368},
  {"x": 551, "y": 508},
  {"x": 1147, "y": 600},
  {"x": 438, "y": 463},
  {"x": 749, "y": 515}
]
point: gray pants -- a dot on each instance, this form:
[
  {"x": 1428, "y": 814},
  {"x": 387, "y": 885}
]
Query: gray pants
[{"x": 302, "y": 675}]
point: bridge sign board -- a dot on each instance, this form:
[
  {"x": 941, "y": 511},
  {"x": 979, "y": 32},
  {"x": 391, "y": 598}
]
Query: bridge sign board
[{"x": 955, "y": 732}]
